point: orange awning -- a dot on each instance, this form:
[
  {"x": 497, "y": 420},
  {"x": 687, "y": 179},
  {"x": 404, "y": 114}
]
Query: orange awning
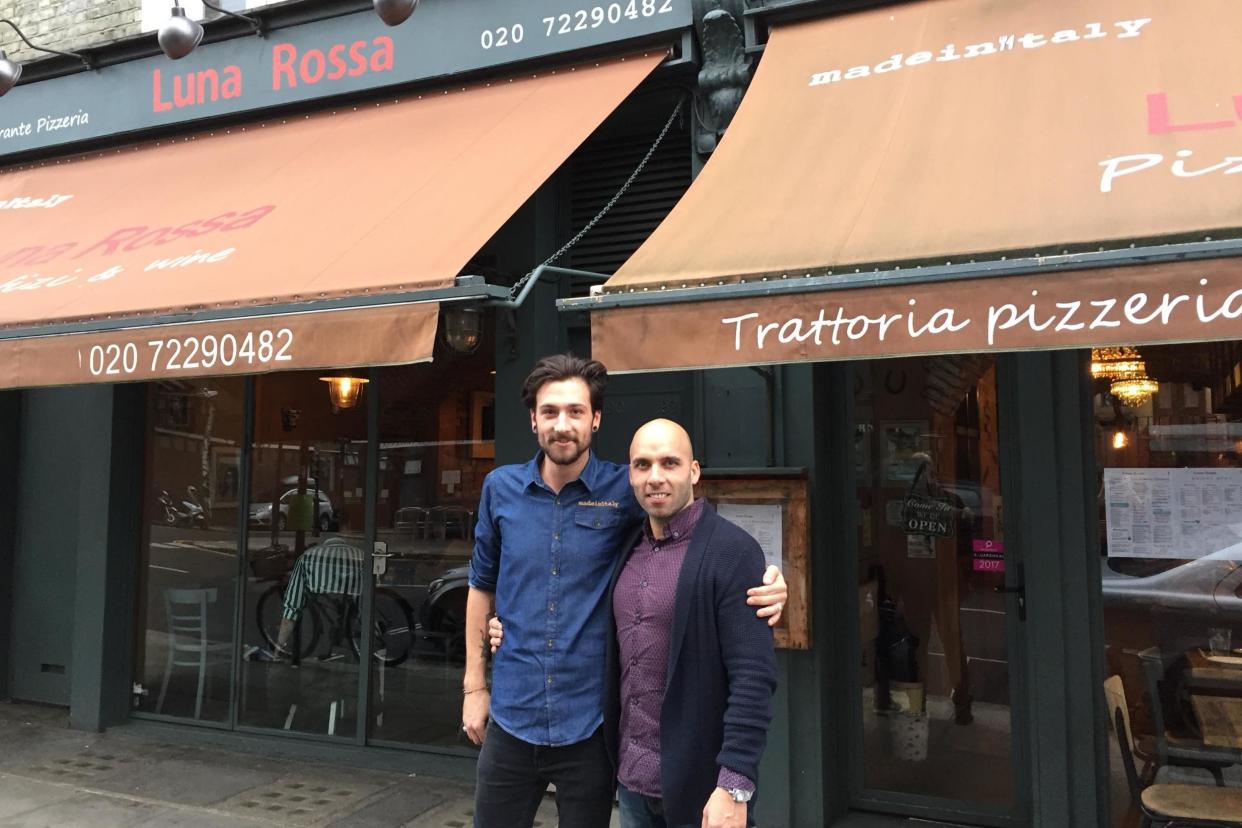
[
  {"x": 948, "y": 130},
  {"x": 380, "y": 198}
]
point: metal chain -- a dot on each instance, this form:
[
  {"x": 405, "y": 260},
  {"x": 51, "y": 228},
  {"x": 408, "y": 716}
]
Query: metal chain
[{"x": 517, "y": 287}]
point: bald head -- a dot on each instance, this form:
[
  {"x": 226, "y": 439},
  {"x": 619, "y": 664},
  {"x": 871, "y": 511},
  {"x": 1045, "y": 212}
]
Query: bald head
[{"x": 663, "y": 471}]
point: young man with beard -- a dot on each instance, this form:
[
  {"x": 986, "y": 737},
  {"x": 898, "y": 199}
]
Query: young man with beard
[{"x": 546, "y": 546}]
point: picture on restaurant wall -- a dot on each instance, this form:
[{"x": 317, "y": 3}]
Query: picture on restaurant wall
[
  {"x": 482, "y": 424},
  {"x": 862, "y": 451},
  {"x": 900, "y": 441},
  {"x": 225, "y": 476}
]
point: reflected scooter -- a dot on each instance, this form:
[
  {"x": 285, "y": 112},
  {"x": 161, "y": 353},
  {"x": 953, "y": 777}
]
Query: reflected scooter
[{"x": 187, "y": 512}]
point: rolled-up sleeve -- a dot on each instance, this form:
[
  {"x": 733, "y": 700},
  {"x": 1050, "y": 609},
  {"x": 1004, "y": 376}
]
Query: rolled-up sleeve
[{"x": 485, "y": 562}]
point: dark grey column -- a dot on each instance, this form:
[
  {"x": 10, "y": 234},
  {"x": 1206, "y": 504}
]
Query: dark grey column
[
  {"x": 1050, "y": 503},
  {"x": 109, "y": 511},
  {"x": 10, "y": 425}
]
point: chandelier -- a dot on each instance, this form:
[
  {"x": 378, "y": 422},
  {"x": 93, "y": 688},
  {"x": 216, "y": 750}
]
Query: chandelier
[
  {"x": 1134, "y": 390},
  {"x": 1117, "y": 363},
  {"x": 1127, "y": 370}
]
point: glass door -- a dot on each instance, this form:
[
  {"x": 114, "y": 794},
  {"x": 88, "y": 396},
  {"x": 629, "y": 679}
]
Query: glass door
[
  {"x": 307, "y": 559},
  {"x": 436, "y": 444},
  {"x": 938, "y": 701}
]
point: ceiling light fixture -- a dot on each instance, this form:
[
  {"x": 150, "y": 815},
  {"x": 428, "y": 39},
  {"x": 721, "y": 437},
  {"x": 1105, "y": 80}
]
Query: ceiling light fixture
[
  {"x": 344, "y": 391},
  {"x": 462, "y": 329},
  {"x": 1117, "y": 363},
  {"x": 1134, "y": 391},
  {"x": 11, "y": 70},
  {"x": 394, "y": 12},
  {"x": 179, "y": 34}
]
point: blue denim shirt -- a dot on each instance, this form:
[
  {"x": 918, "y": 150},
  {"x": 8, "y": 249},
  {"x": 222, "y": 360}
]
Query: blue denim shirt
[{"x": 548, "y": 558}]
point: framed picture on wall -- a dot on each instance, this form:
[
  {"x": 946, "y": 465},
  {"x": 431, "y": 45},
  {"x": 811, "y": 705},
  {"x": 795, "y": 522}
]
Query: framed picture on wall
[
  {"x": 225, "y": 476},
  {"x": 900, "y": 441},
  {"x": 482, "y": 424},
  {"x": 862, "y": 451}
]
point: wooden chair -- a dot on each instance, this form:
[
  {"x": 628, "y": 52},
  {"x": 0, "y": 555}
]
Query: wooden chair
[
  {"x": 1171, "y": 806},
  {"x": 1167, "y": 748}
]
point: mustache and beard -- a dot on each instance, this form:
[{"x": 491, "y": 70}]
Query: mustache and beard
[{"x": 563, "y": 448}]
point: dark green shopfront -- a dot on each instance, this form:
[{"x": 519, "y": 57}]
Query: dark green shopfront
[{"x": 1078, "y": 485}]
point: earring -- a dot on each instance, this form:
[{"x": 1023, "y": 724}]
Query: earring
[
  {"x": 594, "y": 429},
  {"x": 534, "y": 430}
]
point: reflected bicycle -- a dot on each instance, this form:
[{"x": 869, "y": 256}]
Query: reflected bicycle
[{"x": 392, "y": 632}]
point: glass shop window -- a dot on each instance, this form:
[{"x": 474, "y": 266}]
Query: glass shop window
[{"x": 1168, "y": 445}]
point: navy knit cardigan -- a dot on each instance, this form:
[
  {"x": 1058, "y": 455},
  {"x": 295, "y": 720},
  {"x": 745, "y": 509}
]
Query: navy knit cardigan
[{"x": 721, "y": 670}]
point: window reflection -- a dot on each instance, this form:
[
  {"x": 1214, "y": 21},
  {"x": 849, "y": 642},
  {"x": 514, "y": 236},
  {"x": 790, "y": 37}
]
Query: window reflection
[
  {"x": 189, "y": 555},
  {"x": 437, "y": 443},
  {"x": 1170, "y": 523},
  {"x": 935, "y": 663},
  {"x": 301, "y": 627}
]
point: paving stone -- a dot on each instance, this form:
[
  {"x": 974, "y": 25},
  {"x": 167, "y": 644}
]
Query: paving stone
[
  {"x": 18, "y": 795},
  {"x": 299, "y": 801},
  {"x": 83, "y": 811},
  {"x": 188, "y": 782},
  {"x": 406, "y": 801}
]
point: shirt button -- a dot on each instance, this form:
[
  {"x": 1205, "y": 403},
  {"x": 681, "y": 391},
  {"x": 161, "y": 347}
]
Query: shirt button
[
  {"x": 552, "y": 606},
  {"x": 549, "y": 643},
  {"x": 643, "y": 584},
  {"x": 549, "y": 679},
  {"x": 556, "y": 535},
  {"x": 633, "y": 662},
  {"x": 554, "y": 571}
]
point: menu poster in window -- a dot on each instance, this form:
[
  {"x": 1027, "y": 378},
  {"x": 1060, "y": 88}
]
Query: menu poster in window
[
  {"x": 1173, "y": 513},
  {"x": 764, "y": 523}
]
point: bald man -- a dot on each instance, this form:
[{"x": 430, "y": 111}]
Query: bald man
[{"x": 691, "y": 669}]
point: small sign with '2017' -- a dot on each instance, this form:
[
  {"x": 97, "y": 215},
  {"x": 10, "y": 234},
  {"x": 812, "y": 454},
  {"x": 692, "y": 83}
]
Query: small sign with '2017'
[{"x": 989, "y": 555}]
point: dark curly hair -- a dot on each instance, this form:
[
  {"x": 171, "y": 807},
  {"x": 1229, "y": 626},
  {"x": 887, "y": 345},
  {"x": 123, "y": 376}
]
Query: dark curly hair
[{"x": 560, "y": 367}]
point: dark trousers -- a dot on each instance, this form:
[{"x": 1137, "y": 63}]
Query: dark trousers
[
  {"x": 639, "y": 811},
  {"x": 513, "y": 776}
]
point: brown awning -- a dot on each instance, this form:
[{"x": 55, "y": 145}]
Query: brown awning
[
  {"x": 947, "y": 130},
  {"x": 391, "y": 197}
]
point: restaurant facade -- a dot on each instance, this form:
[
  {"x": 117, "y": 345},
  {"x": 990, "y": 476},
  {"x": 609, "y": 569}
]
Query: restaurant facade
[{"x": 946, "y": 293}]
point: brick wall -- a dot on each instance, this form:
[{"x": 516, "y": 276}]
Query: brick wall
[{"x": 67, "y": 24}]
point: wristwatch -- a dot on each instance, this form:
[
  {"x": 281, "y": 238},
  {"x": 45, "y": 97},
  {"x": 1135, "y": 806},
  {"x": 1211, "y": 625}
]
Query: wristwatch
[{"x": 739, "y": 795}]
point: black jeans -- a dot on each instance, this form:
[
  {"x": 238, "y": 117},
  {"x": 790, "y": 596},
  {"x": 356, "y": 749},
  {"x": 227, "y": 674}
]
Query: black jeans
[{"x": 513, "y": 776}]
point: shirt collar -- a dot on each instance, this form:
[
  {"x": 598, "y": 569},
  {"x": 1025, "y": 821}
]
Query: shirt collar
[
  {"x": 681, "y": 525},
  {"x": 589, "y": 476}
]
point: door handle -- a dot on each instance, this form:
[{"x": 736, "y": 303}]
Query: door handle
[
  {"x": 1020, "y": 591},
  {"x": 379, "y": 558}
]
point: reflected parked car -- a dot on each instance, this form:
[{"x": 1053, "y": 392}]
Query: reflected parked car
[
  {"x": 1209, "y": 587},
  {"x": 326, "y": 517},
  {"x": 442, "y": 615}
]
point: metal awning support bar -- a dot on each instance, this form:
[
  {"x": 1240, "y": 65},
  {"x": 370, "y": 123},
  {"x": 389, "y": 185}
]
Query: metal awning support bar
[
  {"x": 467, "y": 288},
  {"x": 535, "y": 275},
  {"x": 826, "y": 280}
]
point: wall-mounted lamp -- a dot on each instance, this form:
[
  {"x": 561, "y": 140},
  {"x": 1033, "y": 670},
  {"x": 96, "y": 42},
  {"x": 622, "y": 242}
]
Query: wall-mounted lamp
[
  {"x": 11, "y": 70},
  {"x": 344, "y": 391},
  {"x": 1120, "y": 440},
  {"x": 395, "y": 12},
  {"x": 179, "y": 34},
  {"x": 462, "y": 329}
]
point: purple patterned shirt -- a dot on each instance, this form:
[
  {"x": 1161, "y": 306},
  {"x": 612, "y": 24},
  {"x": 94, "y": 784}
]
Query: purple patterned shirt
[{"x": 643, "y": 608}]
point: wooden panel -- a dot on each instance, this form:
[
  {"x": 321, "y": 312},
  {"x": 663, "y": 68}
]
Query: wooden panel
[{"x": 794, "y": 630}]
